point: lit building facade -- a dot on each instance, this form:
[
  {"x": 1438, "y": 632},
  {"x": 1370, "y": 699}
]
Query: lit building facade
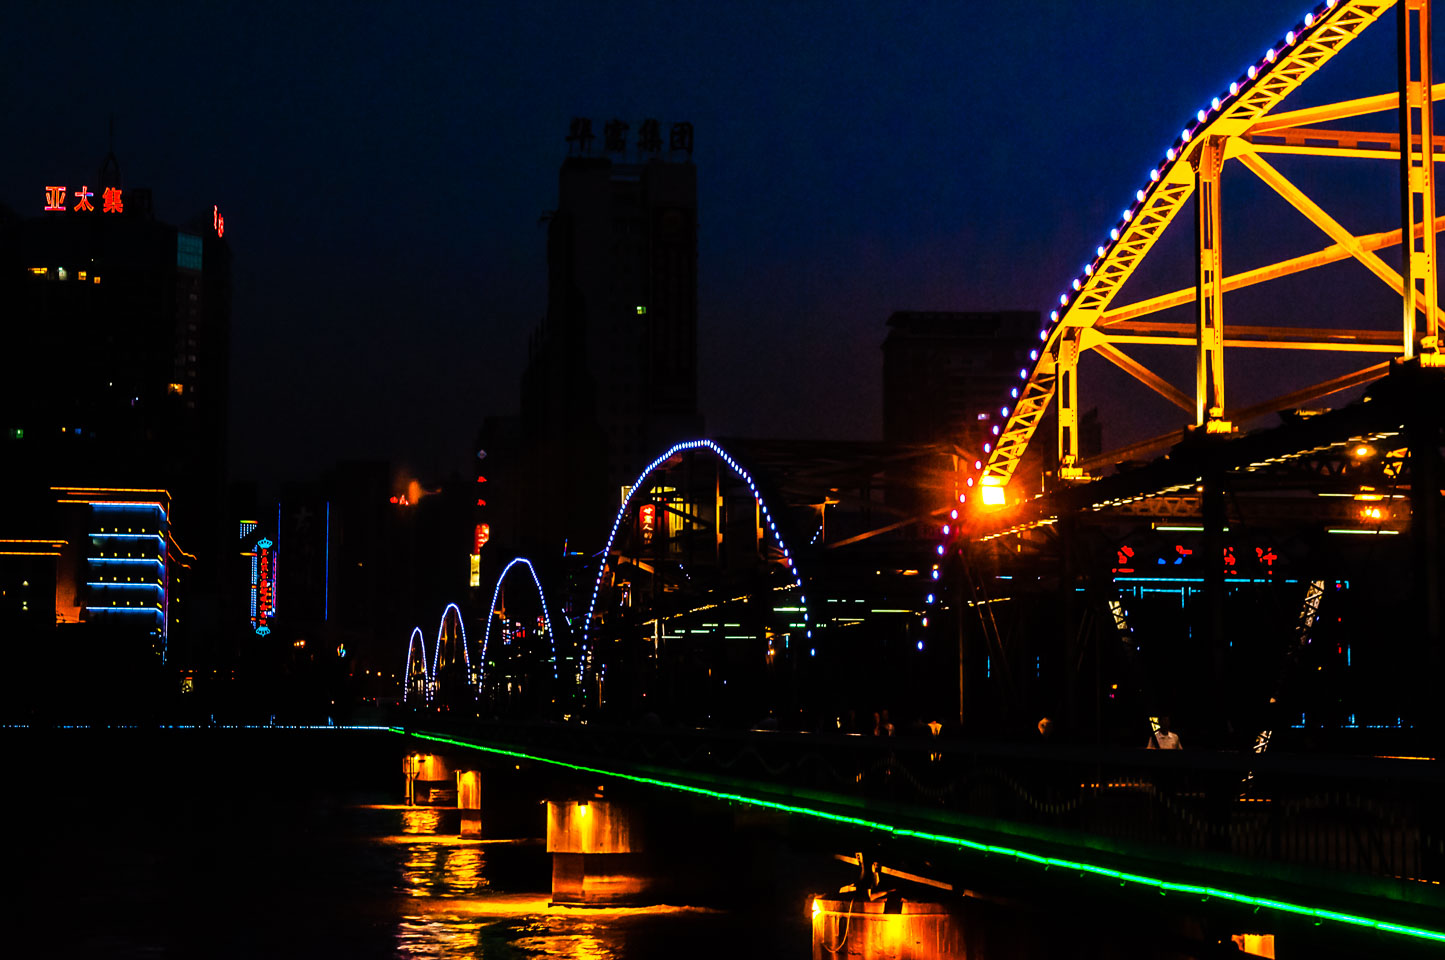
[
  {"x": 113, "y": 407},
  {"x": 121, "y": 567}
]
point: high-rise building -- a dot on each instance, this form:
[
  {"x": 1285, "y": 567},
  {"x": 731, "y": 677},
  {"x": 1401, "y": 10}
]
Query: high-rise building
[
  {"x": 944, "y": 374},
  {"x": 611, "y": 378},
  {"x": 117, "y": 330}
]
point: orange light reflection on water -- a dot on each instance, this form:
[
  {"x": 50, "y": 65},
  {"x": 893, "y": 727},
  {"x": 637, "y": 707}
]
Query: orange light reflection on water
[{"x": 420, "y": 820}]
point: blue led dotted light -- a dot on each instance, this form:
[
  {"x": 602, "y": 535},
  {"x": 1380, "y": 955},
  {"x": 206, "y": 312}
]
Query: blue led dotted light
[
  {"x": 441, "y": 628},
  {"x": 737, "y": 470},
  {"x": 416, "y": 637},
  {"x": 546, "y": 617}
]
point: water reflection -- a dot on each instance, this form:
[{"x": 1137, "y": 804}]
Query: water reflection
[
  {"x": 420, "y": 820},
  {"x": 454, "y": 909},
  {"x": 556, "y": 936},
  {"x": 563, "y": 937},
  {"x": 438, "y": 937}
]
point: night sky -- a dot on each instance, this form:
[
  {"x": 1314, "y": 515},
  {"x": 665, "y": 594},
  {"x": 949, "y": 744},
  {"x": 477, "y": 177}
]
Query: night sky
[{"x": 382, "y": 169}]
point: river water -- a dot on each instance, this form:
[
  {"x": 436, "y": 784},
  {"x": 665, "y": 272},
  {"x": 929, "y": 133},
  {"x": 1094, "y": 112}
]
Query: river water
[{"x": 183, "y": 848}]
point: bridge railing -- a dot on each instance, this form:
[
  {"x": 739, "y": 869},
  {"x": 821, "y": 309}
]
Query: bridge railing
[{"x": 1365, "y": 816}]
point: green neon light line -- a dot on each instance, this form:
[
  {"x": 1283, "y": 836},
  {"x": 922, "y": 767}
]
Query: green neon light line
[{"x": 1385, "y": 926}]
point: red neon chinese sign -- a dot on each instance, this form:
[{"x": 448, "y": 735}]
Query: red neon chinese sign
[
  {"x": 218, "y": 221},
  {"x": 480, "y": 537},
  {"x": 647, "y": 519},
  {"x": 110, "y": 200}
]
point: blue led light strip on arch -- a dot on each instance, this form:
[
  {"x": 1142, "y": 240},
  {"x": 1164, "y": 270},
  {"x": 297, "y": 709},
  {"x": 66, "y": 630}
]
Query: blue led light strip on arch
[
  {"x": 491, "y": 612},
  {"x": 416, "y": 638},
  {"x": 441, "y": 631},
  {"x": 647, "y": 471}
]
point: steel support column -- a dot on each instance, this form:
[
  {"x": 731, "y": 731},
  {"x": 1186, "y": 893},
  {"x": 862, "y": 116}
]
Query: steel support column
[
  {"x": 1209, "y": 283},
  {"x": 1068, "y": 406},
  {"x": 1417, "y": 179}
]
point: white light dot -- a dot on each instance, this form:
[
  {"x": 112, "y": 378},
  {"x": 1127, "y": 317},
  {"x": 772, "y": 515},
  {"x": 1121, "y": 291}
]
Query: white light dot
[
  {"x": 1200, "y": 115},
  {"x": 1234, "y": 88},
  {"x": 1310, "y": 19},
  {"x": 1054, "y": 316},
  {"x": 1099, "y": 251},
  {"x": 1033, "y": 354},
  {"x": 1114, "y": 234},
  {"x": 1289, "y": 37},
  {"x": 1214, "y": 104},
  {"x": 1253, "y": 72},
  {"x": 1170, "y": 154}
]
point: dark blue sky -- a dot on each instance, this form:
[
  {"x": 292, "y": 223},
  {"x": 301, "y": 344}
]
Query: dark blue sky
[{"x": 382, "y": 169}]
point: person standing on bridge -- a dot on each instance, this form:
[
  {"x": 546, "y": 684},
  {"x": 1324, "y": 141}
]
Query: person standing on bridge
[{"x": 1164, "y": 738}]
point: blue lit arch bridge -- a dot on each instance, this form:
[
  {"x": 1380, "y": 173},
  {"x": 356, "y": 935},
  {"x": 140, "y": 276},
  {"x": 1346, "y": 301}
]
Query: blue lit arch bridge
[{"x": 1262, "y": 565}]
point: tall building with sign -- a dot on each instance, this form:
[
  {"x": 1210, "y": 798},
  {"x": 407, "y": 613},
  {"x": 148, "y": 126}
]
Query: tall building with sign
[
  {"x": 117, "y": 329},
  {"x": 611, "y": 377}
]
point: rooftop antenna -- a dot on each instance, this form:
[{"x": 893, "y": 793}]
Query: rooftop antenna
[{"x": 110, "y": 167}]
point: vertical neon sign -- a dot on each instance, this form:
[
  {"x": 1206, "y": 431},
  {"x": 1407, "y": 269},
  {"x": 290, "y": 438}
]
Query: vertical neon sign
[{"x": 263, "y": 587}]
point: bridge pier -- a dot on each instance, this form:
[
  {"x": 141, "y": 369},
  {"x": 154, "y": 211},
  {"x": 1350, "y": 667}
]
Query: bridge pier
[
  {"x": 469, "y": 802},
  {"x": 881, "y": 930},
  {"x": 597, "y": 853},
  {"x": 430, "y": 780}
]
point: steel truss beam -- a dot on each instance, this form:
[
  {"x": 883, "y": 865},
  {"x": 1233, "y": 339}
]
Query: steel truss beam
[
  {"x": 1284, "y": 268},
  {"x": 1417, "y": 175},
  {"x": 1239, "y": 125}
]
